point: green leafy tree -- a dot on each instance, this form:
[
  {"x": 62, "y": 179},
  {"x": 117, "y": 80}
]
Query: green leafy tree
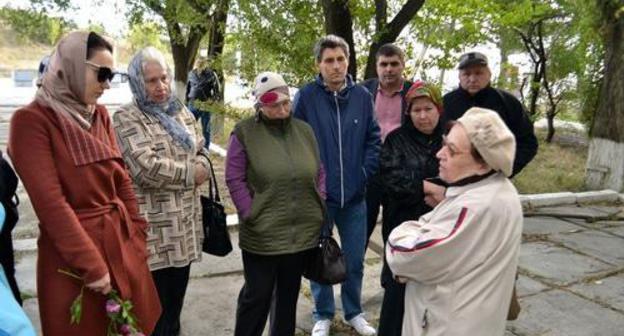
[
  {"x": 276, "y": 36},
  {"x": 279, "y": 35},
  {"x": 448, "y": 28},
  {"x": 145, "y": 34},
  {"x": 35, "y": 25}
]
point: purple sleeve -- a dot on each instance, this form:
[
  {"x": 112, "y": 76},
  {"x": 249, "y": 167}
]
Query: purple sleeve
[
  {"x": 320, "y": 182},
  {"x": 235, "y": 177}
]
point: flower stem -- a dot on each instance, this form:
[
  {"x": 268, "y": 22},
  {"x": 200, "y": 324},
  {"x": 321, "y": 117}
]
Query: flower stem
[{"x": 69, "y": 273}]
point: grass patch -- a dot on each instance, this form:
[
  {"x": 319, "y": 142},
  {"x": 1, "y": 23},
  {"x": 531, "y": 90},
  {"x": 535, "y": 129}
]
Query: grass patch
[
  {"x": 15, "y": 54},
  {"x": 558, "y": 166}
]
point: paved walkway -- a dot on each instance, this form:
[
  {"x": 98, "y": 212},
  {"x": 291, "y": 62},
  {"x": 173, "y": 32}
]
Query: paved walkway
[{"x": 571, "y": 279}]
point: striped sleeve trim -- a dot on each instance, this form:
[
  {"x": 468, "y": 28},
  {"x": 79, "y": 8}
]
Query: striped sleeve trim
[{"x": 432, "y": 242}]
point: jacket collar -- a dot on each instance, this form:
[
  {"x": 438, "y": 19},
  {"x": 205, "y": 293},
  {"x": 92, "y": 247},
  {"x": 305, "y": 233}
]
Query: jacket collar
[
  {"x": 348, "y": 84},
  {"x": 473, "y": 182},
  {"x": 278, "y": 124},
  {"x": 402, "y": 90},
  {"x": 477, "y": 95},
  {"x": 373, "y": 85},
  {"x": 85, "y": 146},
  {"x": 418, "y": 136}
]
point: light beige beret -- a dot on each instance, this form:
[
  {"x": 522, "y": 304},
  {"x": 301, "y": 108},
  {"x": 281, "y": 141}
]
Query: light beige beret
[{"x": 490, "y": 136}]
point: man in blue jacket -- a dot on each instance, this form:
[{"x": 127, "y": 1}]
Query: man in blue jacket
[{"x": 341, "y": 114}]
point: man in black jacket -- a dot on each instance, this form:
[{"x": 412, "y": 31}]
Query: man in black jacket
[
  {"x": 388, "y": 91},
  {"x": 475, "y": 90}
]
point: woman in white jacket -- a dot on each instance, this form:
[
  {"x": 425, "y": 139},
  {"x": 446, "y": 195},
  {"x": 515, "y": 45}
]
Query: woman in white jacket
[{"x": 460, "y": 260}]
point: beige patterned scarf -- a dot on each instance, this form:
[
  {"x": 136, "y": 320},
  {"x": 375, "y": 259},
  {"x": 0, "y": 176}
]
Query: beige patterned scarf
[
  {"x": 62, "y": 90},
  {"x": 63, "y": 84}
]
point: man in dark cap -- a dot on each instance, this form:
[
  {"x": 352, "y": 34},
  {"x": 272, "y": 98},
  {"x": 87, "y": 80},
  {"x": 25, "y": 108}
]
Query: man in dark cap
[{"x": 475, "y": 90}]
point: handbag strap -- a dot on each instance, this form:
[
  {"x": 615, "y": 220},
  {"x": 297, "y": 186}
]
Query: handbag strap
[
  {"x": 213, "y": 188},
  {"x": 326, "y": 229}
]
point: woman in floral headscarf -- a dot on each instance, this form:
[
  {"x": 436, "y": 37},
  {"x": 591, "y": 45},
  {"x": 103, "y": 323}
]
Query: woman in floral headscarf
[
  {"x": 407, "y": 159},
  {"x": 63, "y": 147},
  {"x": 164, "y": 151}
]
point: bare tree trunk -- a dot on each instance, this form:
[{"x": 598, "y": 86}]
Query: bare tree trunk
[
  {"x": 552, "y": 101},
  {"x": 534, "y": 89},
  {"x": 338, "y": 21},
  {"x": 441, "y": 79},
  {"x": 183, "y": 52},
  {"x": 420, "y": 60},
  {"x": 215, "y": 49},
  {"x": 605, "y": 161},
  {"x": 184, "y": 45},
  {"x": 502, "y": 74},
  {"x": 550, "y": 118},
  {"x": 533, "y": 43}
]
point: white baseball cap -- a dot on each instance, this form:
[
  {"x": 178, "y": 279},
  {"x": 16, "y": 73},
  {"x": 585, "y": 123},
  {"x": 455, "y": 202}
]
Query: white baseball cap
[{"x": 265, "y": 87}]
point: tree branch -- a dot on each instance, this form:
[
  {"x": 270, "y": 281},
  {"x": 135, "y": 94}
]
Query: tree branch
[
  {"x": 389, "y": 32},
  {"x": 401, "y": 19},
  {"x": 381, "y": 14}
]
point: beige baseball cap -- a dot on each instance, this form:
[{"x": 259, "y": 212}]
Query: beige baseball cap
[{"x": 491, "y": 137}]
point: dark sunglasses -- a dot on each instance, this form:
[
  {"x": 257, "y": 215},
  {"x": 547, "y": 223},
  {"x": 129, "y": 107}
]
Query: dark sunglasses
[{"x": 103, "y": 73}]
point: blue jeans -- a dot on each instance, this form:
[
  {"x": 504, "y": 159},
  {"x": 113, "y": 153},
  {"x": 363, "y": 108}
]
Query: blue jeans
[
  {"x": 351, "y": 223},
  {"x": 204, "y": 117}
]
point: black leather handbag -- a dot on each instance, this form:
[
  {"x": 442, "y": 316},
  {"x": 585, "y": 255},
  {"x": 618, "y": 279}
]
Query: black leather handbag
[
  {"x": 216, "y": 236},
  {"x": 326, "y": 263}
]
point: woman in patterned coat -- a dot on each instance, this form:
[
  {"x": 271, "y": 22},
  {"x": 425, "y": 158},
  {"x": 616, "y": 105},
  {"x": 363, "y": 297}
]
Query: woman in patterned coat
[{"x": 164, "y": 151}]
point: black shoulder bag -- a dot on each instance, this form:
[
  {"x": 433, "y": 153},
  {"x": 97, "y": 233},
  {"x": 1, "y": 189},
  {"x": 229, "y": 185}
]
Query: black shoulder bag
[
  {"x": 216, "y": 236},
  {"x": 326, "y": 263}
]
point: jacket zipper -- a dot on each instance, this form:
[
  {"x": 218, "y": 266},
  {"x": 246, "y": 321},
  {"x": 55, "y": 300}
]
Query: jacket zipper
[
  {"x": 292, "y": 177},
  {"x": 340, "y": 150}
]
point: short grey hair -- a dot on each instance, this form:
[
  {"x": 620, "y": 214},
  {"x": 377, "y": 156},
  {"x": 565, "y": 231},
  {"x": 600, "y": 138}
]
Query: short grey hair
[
  {"x": 153, "y": 55},
  {"x": 330, "y": 42}
]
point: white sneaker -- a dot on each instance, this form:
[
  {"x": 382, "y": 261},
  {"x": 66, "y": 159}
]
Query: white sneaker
[
  {"x": 361, "y": 326},
  {"x": 321, "y": 328}
]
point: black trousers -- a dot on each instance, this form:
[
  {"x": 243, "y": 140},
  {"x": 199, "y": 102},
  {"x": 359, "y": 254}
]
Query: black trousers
[
  {"x": 171, "y": 283},
  {"x": 271, "y": 282},
  {"x": 392, "y": 309},
  {"x": 374, "y": 194}
]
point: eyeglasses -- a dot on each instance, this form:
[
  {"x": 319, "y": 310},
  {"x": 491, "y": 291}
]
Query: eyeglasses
[
  {"x": 103, "y": 73},
  {"x": 453, "y": 151}
]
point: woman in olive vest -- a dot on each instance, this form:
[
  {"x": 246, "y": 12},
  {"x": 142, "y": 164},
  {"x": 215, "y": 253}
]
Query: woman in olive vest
[{"x": 274, "y": 174}]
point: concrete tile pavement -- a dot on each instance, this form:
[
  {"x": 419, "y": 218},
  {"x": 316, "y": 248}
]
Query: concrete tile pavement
[{"x": 571, "y": 280}]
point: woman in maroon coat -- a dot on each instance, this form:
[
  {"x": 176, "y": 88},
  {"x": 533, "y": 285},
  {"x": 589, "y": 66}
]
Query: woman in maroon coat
[{"x": 64, "y": 149}]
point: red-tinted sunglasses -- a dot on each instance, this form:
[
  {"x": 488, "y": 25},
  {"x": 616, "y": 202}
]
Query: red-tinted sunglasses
[{"x": 268, "y": 98}]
